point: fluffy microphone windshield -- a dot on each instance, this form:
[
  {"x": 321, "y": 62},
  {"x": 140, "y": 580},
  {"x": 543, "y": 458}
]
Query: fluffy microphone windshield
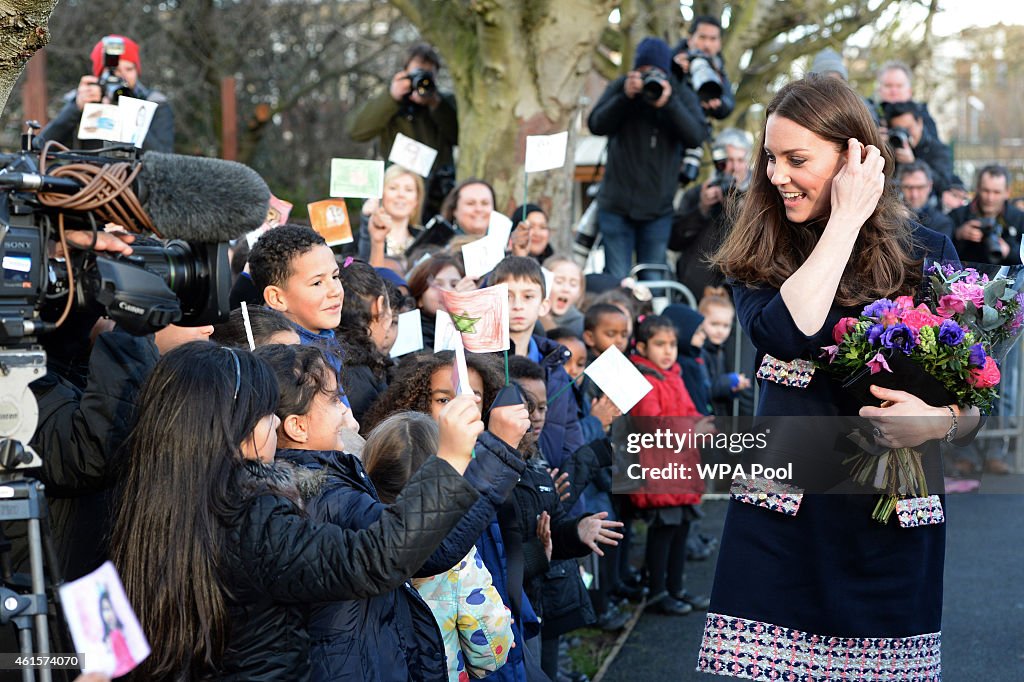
[{"x": 199, "y": 199}]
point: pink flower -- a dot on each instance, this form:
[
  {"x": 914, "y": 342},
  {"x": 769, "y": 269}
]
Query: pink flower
[
  {"x": 950, "y": 306},
  {"x": 905, "y": 302},
  {"x": 843, "y": 327},
  {"x": 830, "y": 351},
  {"x": 985, "y": 377},
  {"x": 878, "y": 363},
  {"x": 920, "y": 317},
  {"x": 969, "y": 292},
  {"x": 889, "y": 318}
]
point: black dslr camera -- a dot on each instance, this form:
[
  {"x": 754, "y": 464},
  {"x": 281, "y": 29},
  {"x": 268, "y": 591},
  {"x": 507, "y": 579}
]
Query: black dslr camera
[
  {"x": 899, "y": 138},
  {"x": 993, "y": 232},
  {"x": 111, "y": 85},
  {"x": 424, "y": 82},
  {"x": 653, "y": 87},
  {"x": 723, "y": 180}
]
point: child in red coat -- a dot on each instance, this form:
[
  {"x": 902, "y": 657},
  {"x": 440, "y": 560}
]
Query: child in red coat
[{"x": 668, "y": 407}]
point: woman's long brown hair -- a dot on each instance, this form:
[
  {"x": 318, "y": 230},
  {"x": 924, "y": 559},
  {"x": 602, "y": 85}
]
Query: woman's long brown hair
[{"x": 764, "y": 248}]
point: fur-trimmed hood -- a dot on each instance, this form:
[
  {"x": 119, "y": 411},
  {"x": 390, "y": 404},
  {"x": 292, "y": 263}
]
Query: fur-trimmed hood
[{"x": 297, "y": 483}]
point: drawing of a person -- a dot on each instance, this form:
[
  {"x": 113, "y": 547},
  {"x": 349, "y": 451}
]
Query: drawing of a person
[{"x": 113, "y": 636}]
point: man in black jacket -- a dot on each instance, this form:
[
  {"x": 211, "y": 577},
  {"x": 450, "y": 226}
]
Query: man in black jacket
[
  {"x": 989, "y": 229},
  {"x": 64, "y": 128},
  {"x": 705, "y": 40},
  {"x": 648, "y": 124},
  {"x": 919, "y": 144},
  {"x": 915, "y": 183}
]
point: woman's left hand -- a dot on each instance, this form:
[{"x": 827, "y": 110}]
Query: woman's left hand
[{"x": 907, "y": 421}]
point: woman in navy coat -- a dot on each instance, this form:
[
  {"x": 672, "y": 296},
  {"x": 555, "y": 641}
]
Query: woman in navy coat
[{"x": 809, "y": 586}]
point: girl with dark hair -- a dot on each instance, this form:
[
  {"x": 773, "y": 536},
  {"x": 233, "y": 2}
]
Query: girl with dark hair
[
  {"x": 215, "y": 553},
  {"x": 268, "y": 326},
  {"x": 438, "y": 273},
  {"x": 113, "y": 635},
  {"x": 358, "y": 639},
  {"x": 423, "y": 383},
  {"x": 474, "y": 623},
  {"x": 366, "y": 318},
  {"x": 809, "y": 585}
]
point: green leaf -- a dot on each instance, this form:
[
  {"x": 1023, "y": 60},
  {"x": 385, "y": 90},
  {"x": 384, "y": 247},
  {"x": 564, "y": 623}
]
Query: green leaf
[
  {"x": 989, "y": 318},
  {"x": 994, "y": 291}
]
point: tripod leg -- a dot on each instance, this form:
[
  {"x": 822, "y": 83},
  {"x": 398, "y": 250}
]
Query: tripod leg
[{"x": 35, "y": 548}]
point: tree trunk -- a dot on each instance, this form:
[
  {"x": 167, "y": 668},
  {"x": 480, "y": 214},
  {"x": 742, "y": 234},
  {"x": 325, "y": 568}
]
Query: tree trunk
[
  {"x": 518, "y": 70},
  {"x": 23, "y": 30}
]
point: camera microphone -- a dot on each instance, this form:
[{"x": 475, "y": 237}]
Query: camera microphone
[{"x": 199, "y": 199}]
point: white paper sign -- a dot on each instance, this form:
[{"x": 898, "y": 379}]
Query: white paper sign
[
  {"x": 357, "y": 179},
  {"x": 416, "y": 156},
  {"x": 460, "y": 372},
  {"x": 619, "y": 379},
  {"x": 445, "y": 334},
  {"x": 102, "y": 623},
  {"x": 127, "y": 121},
  {"x": 549, "y": 281},
  {"x": 545, "y": 152},
  {"x": 410, "y": 334},
  {"x": 482, "y": 255},
  {"x": 499, "y": 227}
]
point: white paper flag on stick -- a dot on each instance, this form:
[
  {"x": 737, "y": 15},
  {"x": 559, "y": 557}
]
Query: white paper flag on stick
[
  {"x": 545, "y": 152},
  {"x": 248, "y": 327},
  {"x": 619, "y": 379},
  {"x": 410, "y": 334},
  {"x": 499, "y": 227},
  {"x": 549, "y": 280},
  {"x": 460, "y": 373},
  {"x": 416, "y": 156},
  {"x": 445, "y": 332},
  {"x": 482, "y": 255}
]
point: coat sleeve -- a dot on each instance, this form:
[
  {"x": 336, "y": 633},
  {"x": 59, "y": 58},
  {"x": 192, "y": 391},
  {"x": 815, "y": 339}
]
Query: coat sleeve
[
  {"x": 484, "y": 622},
  {"x": 494, "y": 472},
  {"x": 63, "y": 128},
  {"x": 682, "y": 117},
  {"x": 770, "y": 326},
  {"x": 611, "y": 110},
  {"x": 80, "y": 434},
  {"x": 372, "y": 118},
  {"x": 160, "y": 137},
  {"x": 447, "y": 121},
  {"x": 292, "y": 558}
]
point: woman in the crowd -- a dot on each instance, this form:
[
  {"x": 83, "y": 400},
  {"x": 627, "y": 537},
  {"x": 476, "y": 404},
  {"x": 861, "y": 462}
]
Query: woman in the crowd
[
  {"x": 387, "y": 228},
  {"x": 468, "y": 207}
]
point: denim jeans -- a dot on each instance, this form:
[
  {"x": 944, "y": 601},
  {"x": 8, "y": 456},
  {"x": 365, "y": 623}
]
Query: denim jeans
[{"x": 622, "y": 237}]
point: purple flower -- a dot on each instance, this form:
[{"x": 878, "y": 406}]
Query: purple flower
[
  {"x": 977, "y": 358},
  {"x": 972, "y": 276},
  {"x": 950, "y": 333},
  {"x": 878, "y": 308},
  {"x": 830, "y": 352},
  {"x": 899, "y": 337},
  {"x": 878, "y": 363},
  {"x": 874, "y": 332}
]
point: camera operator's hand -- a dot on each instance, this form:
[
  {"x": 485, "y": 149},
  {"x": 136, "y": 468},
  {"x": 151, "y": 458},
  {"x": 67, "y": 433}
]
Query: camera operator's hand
[
  {"x": 683, "y": 61},
  {"x": 904, "y": 154},
  {"x": 401, "y": 86},
  {"x": 711, "y": 104},
  {"x": 110, "y": 242},
  {"x": 709, "y": 197},
  {"x": 430, "y": 101},
  {"x": 633, "y": 85},
  {"x": 88, "y": 91},
  {"x": 1004, "y": 247},
  {"x": 666, "y": 94},
  {"x": 970, "y": 231}
]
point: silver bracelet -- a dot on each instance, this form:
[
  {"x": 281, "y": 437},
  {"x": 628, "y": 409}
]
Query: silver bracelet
[{"x": 951, "y": 434}]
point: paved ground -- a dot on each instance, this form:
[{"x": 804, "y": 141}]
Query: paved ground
[{"x": 983, "y": 611}]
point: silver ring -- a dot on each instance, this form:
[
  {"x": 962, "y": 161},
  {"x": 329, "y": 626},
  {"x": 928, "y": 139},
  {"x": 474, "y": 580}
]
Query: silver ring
[{"x": 877, "y": 433}]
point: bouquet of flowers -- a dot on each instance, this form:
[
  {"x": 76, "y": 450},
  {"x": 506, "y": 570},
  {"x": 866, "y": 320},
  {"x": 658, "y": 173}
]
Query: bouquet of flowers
[{"x": 944, "y": 354}]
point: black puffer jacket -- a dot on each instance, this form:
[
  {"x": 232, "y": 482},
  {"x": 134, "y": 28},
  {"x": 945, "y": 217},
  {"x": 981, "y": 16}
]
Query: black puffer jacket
[
  {"x": 278, "y": 561},
  {"x": 391, "y": 637}
]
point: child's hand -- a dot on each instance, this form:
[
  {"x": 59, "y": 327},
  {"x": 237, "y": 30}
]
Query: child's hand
[
  {"x": 460, "y": 424},
  {"x": 561, "y": 484},
  {"x": 544, "y": 532},
  {"x": 594, "y": 529},
  {"x": 705, "y": 425},
  {"x": 510, "y": 423},
  {"x": 467, "y": 283},
  {"x": 743, "y": 383},
  {"x": 604, "y": 409}
]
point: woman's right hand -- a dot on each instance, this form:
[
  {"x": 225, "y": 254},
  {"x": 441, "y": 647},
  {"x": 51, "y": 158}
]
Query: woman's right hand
[
  {"x": 379, "y": 225},
  {"x": 859, "y": 184},
  {"x": 460, "y": 424}
]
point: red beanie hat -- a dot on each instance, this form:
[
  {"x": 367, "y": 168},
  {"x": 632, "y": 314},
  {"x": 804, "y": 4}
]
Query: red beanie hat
[{"x": 131, "y": 53}]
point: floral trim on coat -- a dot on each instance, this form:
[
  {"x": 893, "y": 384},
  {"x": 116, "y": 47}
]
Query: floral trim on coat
[
  {"x": 769, "y": 494},
  {"x": 920, "y": 511}
]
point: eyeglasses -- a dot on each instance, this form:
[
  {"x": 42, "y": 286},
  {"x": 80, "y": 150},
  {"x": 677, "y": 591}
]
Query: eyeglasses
[{"x": 238, "y": 370}]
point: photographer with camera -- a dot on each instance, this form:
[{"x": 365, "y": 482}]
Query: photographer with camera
[
  {"x": 648, "y": 124},
  {"x": 698, "y": 64},
  {"x": 915, "y": 184},
  {"x": 989, "y": 227},
  {"x": 115, "y": 71},
  {"x": 413, "y": 105},
  {"x": 700, "y": 221},
  {"x": 911, "y": 141}
]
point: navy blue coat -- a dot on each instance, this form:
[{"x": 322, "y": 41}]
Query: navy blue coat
[{"x": 561, "y": 436}]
